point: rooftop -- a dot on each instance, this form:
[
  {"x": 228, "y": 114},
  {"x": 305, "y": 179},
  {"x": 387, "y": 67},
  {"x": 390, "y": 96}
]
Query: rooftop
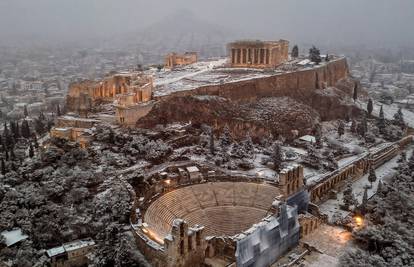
[{"x": 14, "y": 236}]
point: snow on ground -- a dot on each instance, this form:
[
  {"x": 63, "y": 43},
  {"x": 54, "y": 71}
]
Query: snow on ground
[
  {"x": 384, "y": 173},
  {"x": 197, "y": 68},
  {"x": 331, "y": 241},
  {"x": 389, "y": 111}
]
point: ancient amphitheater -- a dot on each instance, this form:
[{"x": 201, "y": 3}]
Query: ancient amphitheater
[{"x": 223, "y": 208}]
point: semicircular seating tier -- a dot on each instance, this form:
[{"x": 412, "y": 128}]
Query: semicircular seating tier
[{"x": 223, "y": 208}]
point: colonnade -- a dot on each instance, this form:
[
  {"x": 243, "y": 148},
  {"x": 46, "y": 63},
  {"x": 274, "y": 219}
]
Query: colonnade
[{"x": 258, "y": 56}]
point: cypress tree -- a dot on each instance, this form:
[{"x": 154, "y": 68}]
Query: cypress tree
[
  {"x": 355, "y": 96},
  {"x": 372, "y": 177},
  {"x": 17, "y": 133},
  {"x": 341, "y": 128},
  {"x": 58, "y": 110},
  {"x": 211, "y": 143},
  {"x": 25, "y": 129},
  {"x": 370, "y": 107},
  {"x": 3, "y": 167},
  {"x": 381, "y": 121},
  {"x": 26, "y": 114},
  {"x": 31, "y": 151}
]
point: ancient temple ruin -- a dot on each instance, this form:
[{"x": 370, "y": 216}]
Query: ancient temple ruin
[
  {"x": 258, "y": 54},
  {"x": 173, "y": 59}
]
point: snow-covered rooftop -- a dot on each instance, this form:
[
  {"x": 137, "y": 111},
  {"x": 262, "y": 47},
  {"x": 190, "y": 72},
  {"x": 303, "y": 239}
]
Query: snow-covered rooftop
[
  {"x": 70, "y": 246},
  {"x": 14, "y": 236}
]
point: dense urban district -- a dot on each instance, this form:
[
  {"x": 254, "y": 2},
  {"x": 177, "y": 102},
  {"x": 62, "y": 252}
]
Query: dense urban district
[{"x": 273, "y": 155}]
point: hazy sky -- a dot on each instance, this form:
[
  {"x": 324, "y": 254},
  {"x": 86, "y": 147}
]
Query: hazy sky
[{"x": 379, "y": 22}]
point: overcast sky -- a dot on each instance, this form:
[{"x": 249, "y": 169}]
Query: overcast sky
[{"x": 379, "y": 22}]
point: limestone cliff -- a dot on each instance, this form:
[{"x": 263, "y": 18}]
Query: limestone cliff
[{"x": 259, "y": 118}]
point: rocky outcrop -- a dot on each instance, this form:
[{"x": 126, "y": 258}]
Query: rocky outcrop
[
  {"x": 275, "y": 115},
  {"x": 296, "y": 84}
]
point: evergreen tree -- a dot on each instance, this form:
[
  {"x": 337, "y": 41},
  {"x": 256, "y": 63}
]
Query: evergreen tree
[
  {"x": 12, "y": 155},
  {"x": 399, "y": 118},
  {"x": 276, "y": 156},
  {"x": 58, "y": 110},
  {"x": 6, "y": 154},
  {"x": 341, "y": 128},
  {"x": 3, "y": 167},
  {"x": 348, "y": 197},
  {"x": 411, "y": 162},
  {"x": 36, "y": 144},
  {"x": 31, "y": 151},
  {"x": 372, "y": 177},
  {"x": 12, "y": 128},
  {"x": 327, "y": 58},
  {"x": 39, "y": 127},
  {"x": 355, "y": 96},
  {"x": 364, "y": 200},
  {"x": 42, "y": 116},
  {"x": 111, "y": 137},
  {"x": 381, "y": 121},
  {"x": 17, "y": 133},
  {"x": 315, "y": 55},
  {"x": 318, "y": 135},
  {"x": 26, "y": 114},
  {"x": 379, "y": 187},
  {"x": 25, "y": 129},
  {"x": 354, "y": 126},
  {"x": 211, "y": 142},
  {"x": 225, "y": 138},
  {"x": 6, "y": 130},
  {"x": 370, "y": 107},
  {"x": 248, "y": 144},
  {"x": 295, "y": 51}
]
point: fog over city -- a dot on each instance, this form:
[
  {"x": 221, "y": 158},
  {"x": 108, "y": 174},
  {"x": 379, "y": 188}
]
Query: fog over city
[
  {"x": 326, "y": 22},
  {"x": 189, "y": 133}
]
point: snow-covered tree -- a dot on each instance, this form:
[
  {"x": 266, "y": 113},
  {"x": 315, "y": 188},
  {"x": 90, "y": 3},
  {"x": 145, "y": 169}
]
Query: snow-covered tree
[
  {"x": 353, "y": 126},
  {"x": 355, "y": 94},
  {"x": 370, "y": 107},
  {"x": 276, "y": 156},
  {"x": 341, "y": 128},
  {"x": 211, "y": 142},
  {"x": 381, "y": 121},
  {"x": 225, "y": 138},
  {"x": 372, "y": 177},
  {"x": 399, "y": 118},
  {"x": 315, "y": 55},
  {"x": 348, "y": 197},
  {"x": 295, "y": 51}
]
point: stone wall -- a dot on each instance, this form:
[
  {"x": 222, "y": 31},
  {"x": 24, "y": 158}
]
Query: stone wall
[{"x": 298, "y": 84}]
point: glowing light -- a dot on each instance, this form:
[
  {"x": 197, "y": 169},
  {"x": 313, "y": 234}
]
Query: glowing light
[
  {"x": 155, "y": 237},
  {"x": 359, "y": 221},
  {"x": 168, "y": 181}
]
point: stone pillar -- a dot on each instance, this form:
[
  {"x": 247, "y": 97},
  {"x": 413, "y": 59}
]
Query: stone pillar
[{"x": 267, "y": 56}]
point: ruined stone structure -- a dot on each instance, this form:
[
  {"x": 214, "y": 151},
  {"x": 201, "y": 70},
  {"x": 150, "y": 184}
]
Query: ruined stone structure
[
  {"x": 74, "y": 129},
  {"x": 213, "y": 222},
  {"x": 173, "y": 60},
  {"x": 320, "y": 188},
  {"x": 291, "y": 180},
  {"x": 126, "y": 89},
  {"x": 258, "y": 54}
]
